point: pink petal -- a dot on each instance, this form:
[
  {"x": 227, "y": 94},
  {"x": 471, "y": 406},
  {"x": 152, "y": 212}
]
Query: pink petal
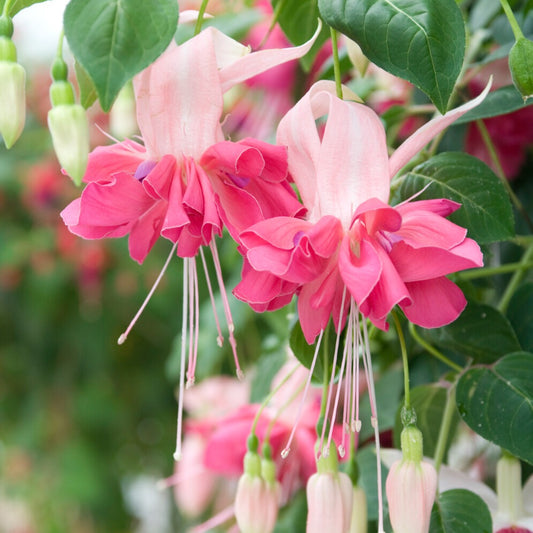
[
  {"x": 415, "y": 264},
  {"x": 234, "y": 159},
  {"x": 279, "y": 232},
  {"x": 145, "y": 232},
  {"x": 179, "y": 100},
  {"x": 104, "y": 161},
  {"x": 378, "y": 216},
  {"x": 157, "y": 183},
  {"x": 439, "y": 206},
  {"x": 275, "y": 158},
  {"x": 113, "y": 202},
  {"x": 434, "y": 302},
  {"x": 359, "y": 266},
  {"x": 426, "y": 133}
]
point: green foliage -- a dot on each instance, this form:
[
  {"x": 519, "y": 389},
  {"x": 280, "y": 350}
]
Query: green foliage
[
  {"x": 485, "y": 207},
  {"x": 481, "y": 333},
  {"x": 114, "y": 40},
  {"x": 422, "y": 41},
  {"x": 497, "y": 403},
  {"x": 460, "y": 511}
]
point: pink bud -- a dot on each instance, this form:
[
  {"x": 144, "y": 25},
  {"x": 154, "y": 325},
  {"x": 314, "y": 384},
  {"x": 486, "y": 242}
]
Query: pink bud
[
  {"x": 411, "y": 488},
  {"x": 256, "y": 504},
  {"x": 329, "y": 500}
]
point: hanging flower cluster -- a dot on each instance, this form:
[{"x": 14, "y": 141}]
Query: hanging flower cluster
[{"x": 312, "y": 220}]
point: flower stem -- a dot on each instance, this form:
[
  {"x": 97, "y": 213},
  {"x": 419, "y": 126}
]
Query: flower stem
[
  {"x": 269, "y": 397},
  {"x": 512, "y": 20},
  {"x": 516, "y": 279},
  {"x": 445, "y": 425},
  {"x": 501, "y": 174},
  {"x": 275, "y": 17},
  {"x": 5, "y": 11},
  {"x": 484, "y": 272},
  {"x": 401, "y": 339},
  {"x": 200, "y": 18},
  {"x": 432, "y": 350},
  {"x": 336, "y": 63}
]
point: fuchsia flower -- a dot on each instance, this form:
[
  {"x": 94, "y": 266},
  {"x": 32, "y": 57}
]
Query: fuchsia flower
[
  {"x": 351, "y": 239},
  {"x": 186, "y": 179}
]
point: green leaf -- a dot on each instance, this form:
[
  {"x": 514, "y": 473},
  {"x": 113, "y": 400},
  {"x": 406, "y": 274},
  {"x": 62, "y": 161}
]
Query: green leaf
[
  {"x": 460, "y": 511},
  {"x": 500, "y": 102},
  {"x": 486, "y": 209},
  {"x": 115, "y": 39},
  {"x": 429, "y": 402},
  {"x": 88, "y": 94},
  {"x": 422, "y": 41},
  {"x": 18, "y": 5},
  {"x": 497, "y": 403},
  {"x": 520, "y": 314},
  {"x": 481, "y": 332},
  {"x": 299, "y": 20},
  {"x": 305, "y": 352}
]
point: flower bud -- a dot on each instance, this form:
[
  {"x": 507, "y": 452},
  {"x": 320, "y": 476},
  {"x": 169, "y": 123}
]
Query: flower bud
[
  {"x": 70, "y": 134},
  {"x": 122, "y": 119},
  {"x": 411, "y": 486},
  {"x": 509, "y": 488},
  {"x": 12, "y": 93},
  {"x": 258, "y": 493},
  {"x": 329, "y": 498},
  {"x": 359, "y": 522},
  {"x": 521, "y": 66}
]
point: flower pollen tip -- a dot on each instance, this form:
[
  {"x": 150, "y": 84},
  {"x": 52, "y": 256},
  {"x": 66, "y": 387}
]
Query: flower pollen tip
[
  {"x": 374, "y": 422},
  {"x": 177, "y": 456},
  {"x": 285, "y": 453},
  {"x": 240, "y": 374},
  {"x": 190, "y": 382},
  {"x": 342, "y": 450},
  {"x": 122, "y": 339},
  {"x": 347, "y": 427},
  {"x": 220, "y": 341},
  {"x": 358, "y": 425}
]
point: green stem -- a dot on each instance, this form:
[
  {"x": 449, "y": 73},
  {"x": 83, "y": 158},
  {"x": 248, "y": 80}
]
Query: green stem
[
  {"x": 512, "y": 20},
  {"x": 200, "y": 19},
  {"x": 5, "y": 11},
  {"x": 445, "y": 425},
  {"x": 432, "y": 350},
  {"x": 336, "y": 63},
  {"x": 275, "y": 18},
  {"x": 517, "y": 278},
  {"x": 501, "y": 174},
  {"x": 405, "y": 360},
  {"x": 269, "y": 397},
  {"x": 59, "y": 52},
  {"x": 484, "y": 272}
]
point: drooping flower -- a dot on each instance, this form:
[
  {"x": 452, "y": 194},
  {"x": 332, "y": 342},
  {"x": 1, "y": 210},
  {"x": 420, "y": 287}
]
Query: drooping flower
[
  {"x": 185, "y": 181},
  {"x": 169, "y": 185},
  {"x": 351, "y": 238}
]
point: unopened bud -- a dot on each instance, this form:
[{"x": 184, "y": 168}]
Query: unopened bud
[
  {"x": 122, "y": 119},
  {"x": 70, "y": 134},
  {"x": 521, "y": 66},
  {"x": 12, "y": 94}
]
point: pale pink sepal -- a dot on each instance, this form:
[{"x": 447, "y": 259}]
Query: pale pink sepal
[
  {"x": 251, "y": 64},
  {"x": 423, "y": 135}
]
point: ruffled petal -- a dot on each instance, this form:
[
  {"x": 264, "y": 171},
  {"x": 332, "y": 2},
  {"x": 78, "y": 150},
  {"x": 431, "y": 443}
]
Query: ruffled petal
[
  {"x": 145, "y": 232},
  {"x": 104, "y": 161},
  {"x": 433, "y": 303}
]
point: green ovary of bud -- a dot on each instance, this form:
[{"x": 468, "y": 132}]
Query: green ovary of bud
[
  {"x": 61, "y": 93},
  {"x": 8, "y": 52},
  {"x": 6, "y": 26},
  {"x": 412, "y": 444},
  {"x": 521, "y": 66},
  {"x": 70, "y": 134},
  {"x": 12, "y": 101}
]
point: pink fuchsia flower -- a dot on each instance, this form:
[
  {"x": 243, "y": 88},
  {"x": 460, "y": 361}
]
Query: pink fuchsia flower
[
  {"x": 168, "y": 186},
  {"x": 411, "y": 486},
  {"x": 351, "y": 240}
]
